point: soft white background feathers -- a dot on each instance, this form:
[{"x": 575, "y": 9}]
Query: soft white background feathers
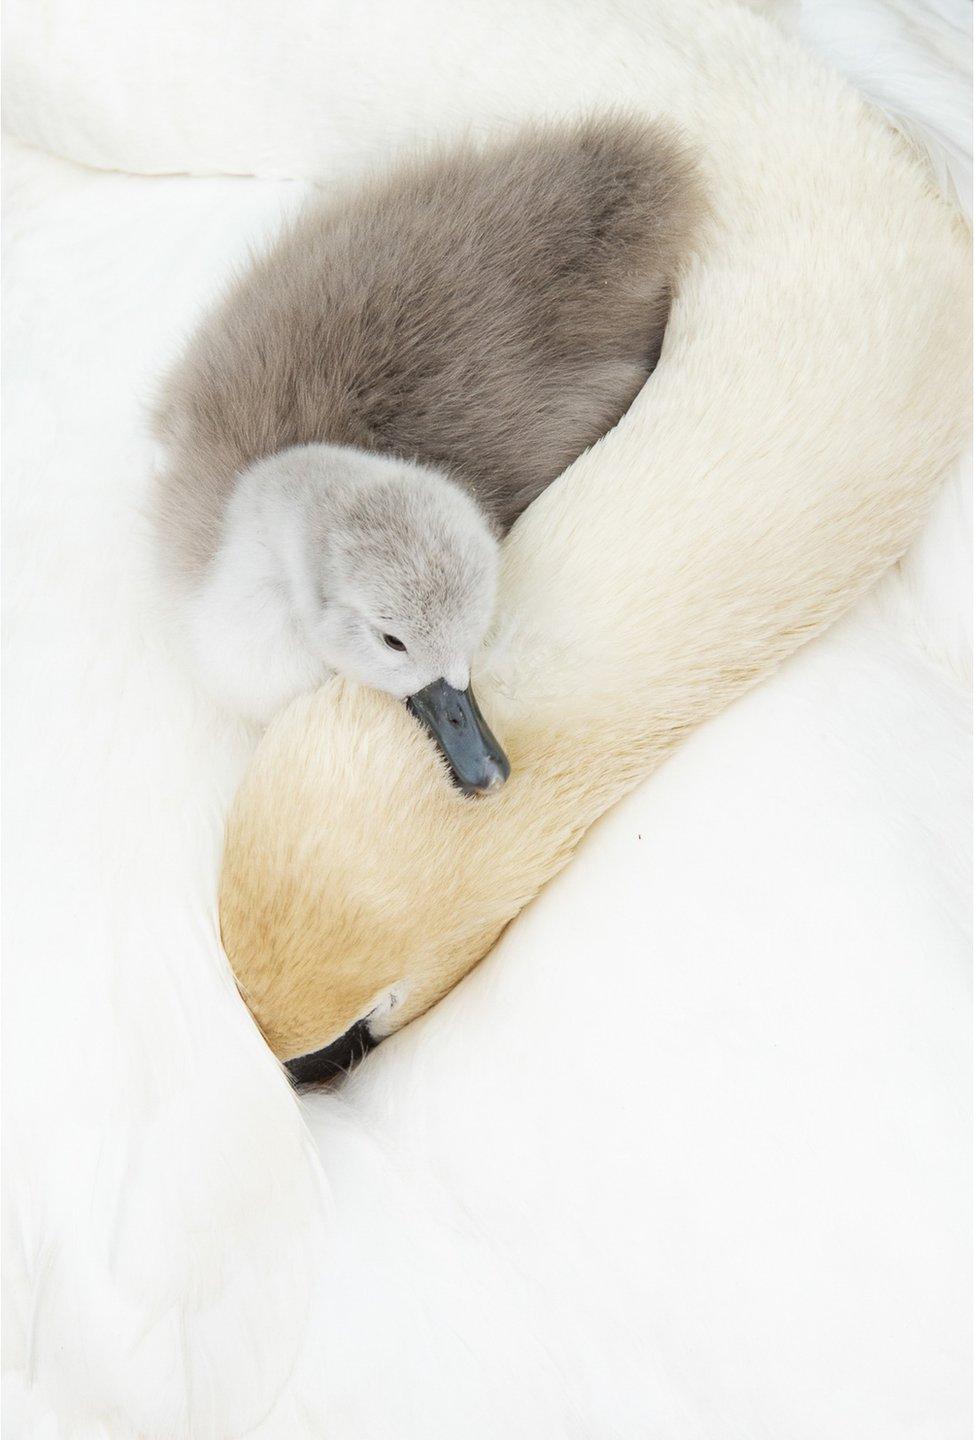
[{"x": 687, "y": 1157}]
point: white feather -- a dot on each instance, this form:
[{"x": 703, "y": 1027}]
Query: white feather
[{"x": 688, "y": 1156}]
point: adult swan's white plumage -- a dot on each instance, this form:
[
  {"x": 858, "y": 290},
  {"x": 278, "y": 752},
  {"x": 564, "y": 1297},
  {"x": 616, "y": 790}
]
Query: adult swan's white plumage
[
  {"x": 813, "y": 387},
  {"x": 387, "y": 389}
]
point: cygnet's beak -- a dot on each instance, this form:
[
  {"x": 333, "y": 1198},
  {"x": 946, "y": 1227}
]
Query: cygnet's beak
[{"x": 452, "y": 716}]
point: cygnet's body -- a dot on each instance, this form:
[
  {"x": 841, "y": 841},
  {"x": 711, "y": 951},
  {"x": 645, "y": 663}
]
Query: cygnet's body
[{"x": 386, "y": 390}]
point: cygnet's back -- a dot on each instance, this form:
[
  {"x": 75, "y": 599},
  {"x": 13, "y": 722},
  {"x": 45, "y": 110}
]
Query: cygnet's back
[{"x": 491, "y": 313}]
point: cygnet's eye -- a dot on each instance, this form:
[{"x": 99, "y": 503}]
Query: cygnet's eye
[{"x": 393, "y": 642}]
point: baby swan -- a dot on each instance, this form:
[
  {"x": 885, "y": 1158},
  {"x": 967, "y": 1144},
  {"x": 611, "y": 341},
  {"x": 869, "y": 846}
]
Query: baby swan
[
  {"x": 373, "y": 404},
  {"x": 336, "y": 560}
]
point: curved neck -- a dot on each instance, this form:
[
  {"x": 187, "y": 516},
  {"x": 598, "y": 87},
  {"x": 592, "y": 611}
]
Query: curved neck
[
  {"x": 267, "y": 544},
  {"x": 250, "y": 621}
]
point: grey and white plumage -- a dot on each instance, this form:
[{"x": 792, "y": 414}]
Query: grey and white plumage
[{"x": 373, "y": 404}]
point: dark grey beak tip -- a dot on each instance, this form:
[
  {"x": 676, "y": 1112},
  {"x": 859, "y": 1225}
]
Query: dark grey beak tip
[{"x": 477, "y": 761}]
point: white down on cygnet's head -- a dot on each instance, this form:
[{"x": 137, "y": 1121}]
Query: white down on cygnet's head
[{"x": 333, "y": 559}]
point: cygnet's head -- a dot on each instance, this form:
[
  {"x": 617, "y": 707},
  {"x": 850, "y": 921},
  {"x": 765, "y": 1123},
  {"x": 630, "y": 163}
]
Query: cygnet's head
[
  {"x": 392, "y": 570},
  {"x": 406, "y": 569}
]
